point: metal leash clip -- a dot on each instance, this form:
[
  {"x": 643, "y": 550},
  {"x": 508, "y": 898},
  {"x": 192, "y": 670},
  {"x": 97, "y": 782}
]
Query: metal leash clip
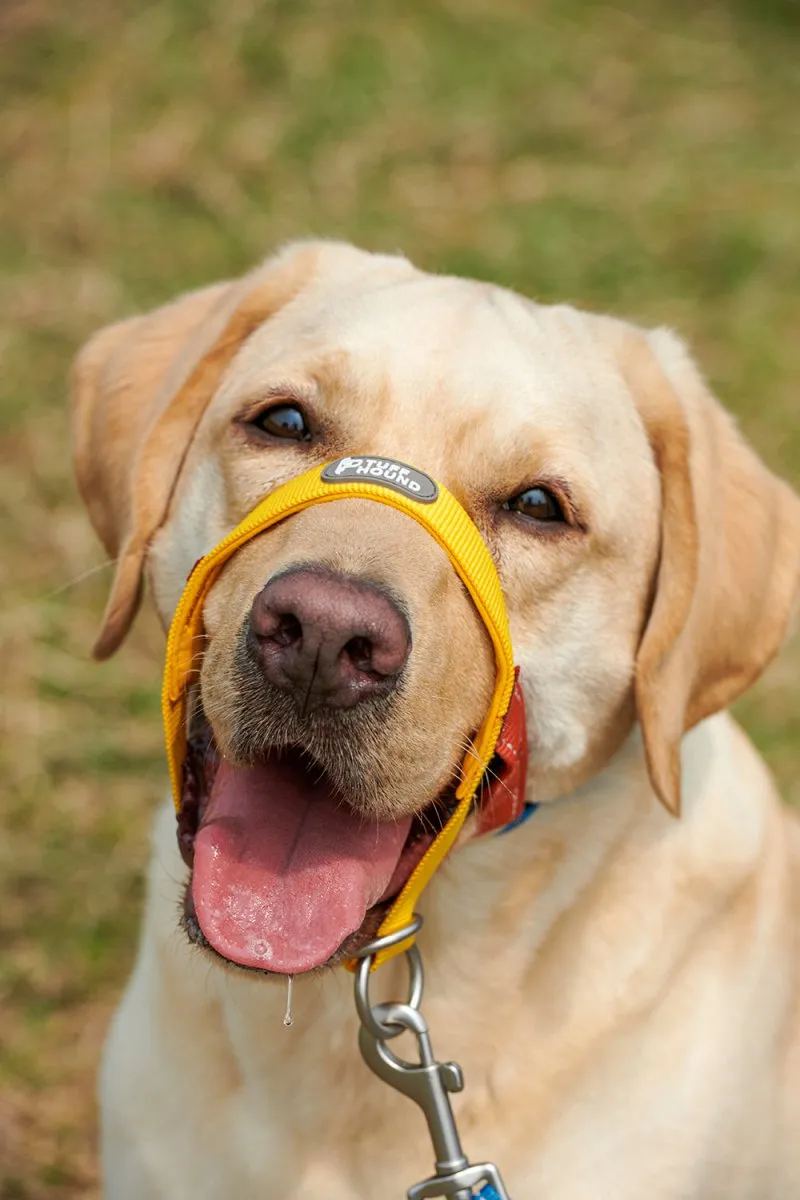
[{"x": 428, "y": 1082}]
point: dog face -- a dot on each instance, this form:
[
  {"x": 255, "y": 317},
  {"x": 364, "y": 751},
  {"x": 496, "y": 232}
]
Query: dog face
[{"x": 344, "y": 667}]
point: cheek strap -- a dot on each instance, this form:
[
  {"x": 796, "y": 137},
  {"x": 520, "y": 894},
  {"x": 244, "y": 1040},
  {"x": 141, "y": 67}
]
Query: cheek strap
[{"x": 434, "y": 508}]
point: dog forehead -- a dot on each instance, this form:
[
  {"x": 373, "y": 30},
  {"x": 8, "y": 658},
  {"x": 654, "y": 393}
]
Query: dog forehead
[{"x": 444, "y": 349}]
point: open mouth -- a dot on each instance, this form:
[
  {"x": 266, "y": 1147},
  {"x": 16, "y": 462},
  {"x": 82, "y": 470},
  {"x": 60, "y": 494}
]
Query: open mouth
[{"x": 286, "y": 876}]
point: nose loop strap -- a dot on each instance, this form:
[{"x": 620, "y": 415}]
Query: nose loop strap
[{"x": 436, "y": 509}]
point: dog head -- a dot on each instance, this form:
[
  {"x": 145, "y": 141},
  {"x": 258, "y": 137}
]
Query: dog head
[{"x": 650, "y": 564}]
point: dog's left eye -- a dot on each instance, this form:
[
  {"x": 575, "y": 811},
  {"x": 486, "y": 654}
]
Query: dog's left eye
[
  {"x": 538, "y": 504},
  {"x": 283, "y": 421}
]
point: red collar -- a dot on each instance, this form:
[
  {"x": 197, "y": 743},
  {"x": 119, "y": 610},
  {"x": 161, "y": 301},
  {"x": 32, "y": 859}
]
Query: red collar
[{"x": 502, "y": 800}]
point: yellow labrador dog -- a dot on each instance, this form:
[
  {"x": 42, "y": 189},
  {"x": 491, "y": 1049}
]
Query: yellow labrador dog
[{"x": 620, "y": 976}]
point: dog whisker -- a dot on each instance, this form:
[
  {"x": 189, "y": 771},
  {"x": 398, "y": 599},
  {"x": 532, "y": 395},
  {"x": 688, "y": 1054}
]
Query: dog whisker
[
  {"x": 87, "y": 574},
  {"x": 487, "y": 771}
]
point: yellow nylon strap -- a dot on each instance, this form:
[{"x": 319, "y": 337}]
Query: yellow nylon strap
[{"x": 448, "y": 523}]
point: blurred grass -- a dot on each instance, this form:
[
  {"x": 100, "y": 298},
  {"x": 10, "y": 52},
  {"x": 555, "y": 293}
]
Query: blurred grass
[{"x": 643, "y": 160}]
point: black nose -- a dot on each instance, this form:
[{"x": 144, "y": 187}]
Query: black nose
[{"x": 331, "y": 639}]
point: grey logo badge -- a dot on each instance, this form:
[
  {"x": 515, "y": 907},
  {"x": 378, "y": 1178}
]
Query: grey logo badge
[{"x": 392, "y": 474}]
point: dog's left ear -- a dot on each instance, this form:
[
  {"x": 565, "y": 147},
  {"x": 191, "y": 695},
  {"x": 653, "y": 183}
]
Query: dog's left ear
[{"x": 729, "y": 571}]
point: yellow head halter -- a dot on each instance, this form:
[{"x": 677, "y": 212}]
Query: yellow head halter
[{"x": 437, "y": 510}]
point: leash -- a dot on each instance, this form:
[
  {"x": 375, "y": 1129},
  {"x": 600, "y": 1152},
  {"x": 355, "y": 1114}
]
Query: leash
[{"x": 427, "y": 1082}]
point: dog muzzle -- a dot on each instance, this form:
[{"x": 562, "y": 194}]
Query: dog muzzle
[{"x": 501, "y": 738}]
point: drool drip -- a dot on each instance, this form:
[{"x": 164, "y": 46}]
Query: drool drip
[{"x": 287, "y": 1016}]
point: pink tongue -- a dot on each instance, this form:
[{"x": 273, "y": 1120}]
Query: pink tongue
[{"x": 283, "y": 872}]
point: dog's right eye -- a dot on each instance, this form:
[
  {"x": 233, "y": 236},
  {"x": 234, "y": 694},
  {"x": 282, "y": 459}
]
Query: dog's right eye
[{"x": 283, "y": 421}]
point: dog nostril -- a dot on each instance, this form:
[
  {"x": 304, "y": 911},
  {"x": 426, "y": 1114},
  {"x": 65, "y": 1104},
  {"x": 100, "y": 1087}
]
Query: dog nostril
[
  {"x": 359, "y": 651},
  {"x": 288, "y": 630}
]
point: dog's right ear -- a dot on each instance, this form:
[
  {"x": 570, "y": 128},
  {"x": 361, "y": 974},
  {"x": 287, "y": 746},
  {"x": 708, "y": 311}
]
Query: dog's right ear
[{"x": 139, "y": 390}]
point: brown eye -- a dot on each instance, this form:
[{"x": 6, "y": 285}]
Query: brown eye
[
  {"x": 538, "y": 504},
  {"x": 283, "y": 421}
]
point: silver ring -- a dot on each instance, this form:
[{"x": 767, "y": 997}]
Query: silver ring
[{"x": 380, "y": 1030}]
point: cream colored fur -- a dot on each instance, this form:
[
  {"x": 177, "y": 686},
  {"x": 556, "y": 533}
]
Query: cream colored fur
[{"x": 621, "y": 986}]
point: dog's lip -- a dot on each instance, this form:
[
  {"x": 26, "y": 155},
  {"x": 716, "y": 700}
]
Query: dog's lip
[{"x": 200, "y": 766}]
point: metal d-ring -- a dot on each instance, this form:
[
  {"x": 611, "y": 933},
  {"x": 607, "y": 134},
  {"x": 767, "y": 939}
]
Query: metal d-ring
[
  {"x": 390, "y": 939},
  {"x": 381, "y": 1030}
]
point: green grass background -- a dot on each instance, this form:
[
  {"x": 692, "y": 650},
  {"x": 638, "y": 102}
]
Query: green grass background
[{"x": 640, "y": 158}]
